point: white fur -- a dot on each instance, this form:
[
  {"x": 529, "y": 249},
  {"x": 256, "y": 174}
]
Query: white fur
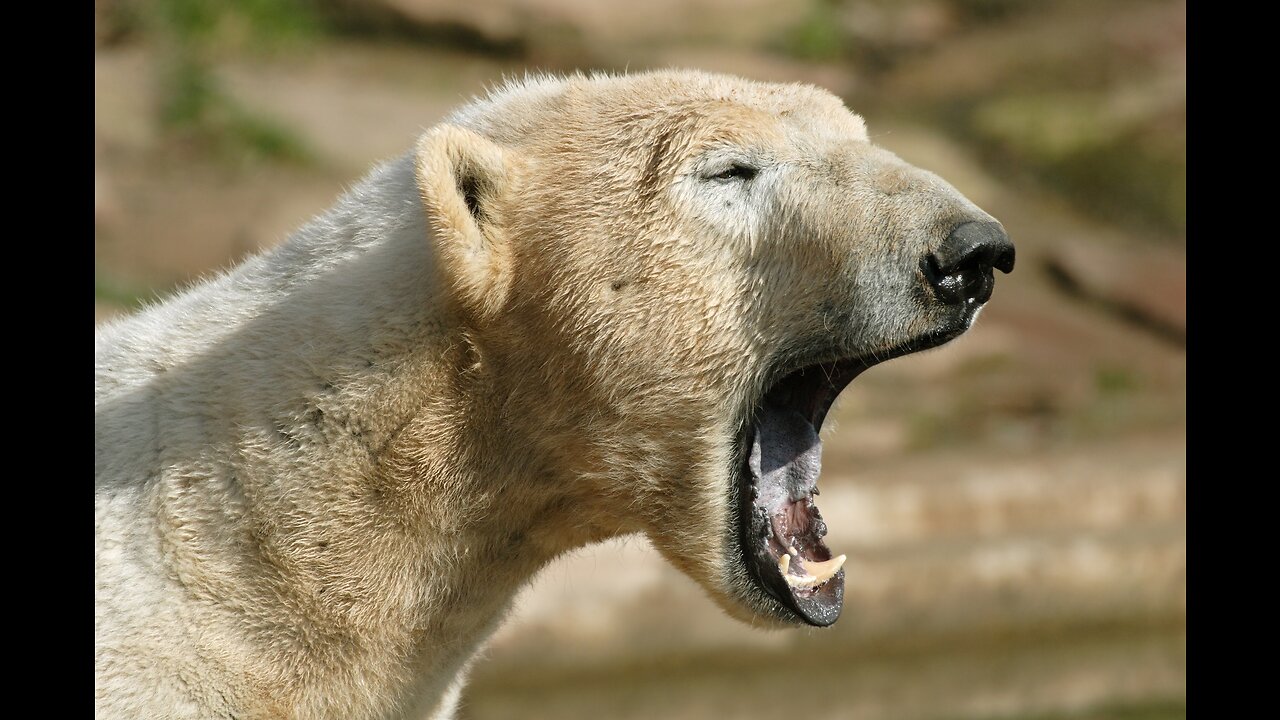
[{"x": 322, "y": 476}]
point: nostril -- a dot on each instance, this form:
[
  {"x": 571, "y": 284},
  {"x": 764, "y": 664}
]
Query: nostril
[{"x": 960, "y": 268}]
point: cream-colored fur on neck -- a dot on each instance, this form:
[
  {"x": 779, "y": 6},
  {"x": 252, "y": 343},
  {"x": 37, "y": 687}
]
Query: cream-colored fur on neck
[
  {"x": 263, "y": 548},
  {"x": 307, "y": 505}
]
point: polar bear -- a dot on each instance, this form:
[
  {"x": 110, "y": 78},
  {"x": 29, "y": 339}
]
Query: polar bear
[{"x": 580, "y": 307}]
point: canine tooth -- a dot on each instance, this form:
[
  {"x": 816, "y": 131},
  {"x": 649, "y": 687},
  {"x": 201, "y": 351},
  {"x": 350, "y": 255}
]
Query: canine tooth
[
  {"x": 791, "y": 550},
  {"x": 824, "y": 570},
  {"x": 784, "y": 564},
  {"x": 819, "y": 572}
]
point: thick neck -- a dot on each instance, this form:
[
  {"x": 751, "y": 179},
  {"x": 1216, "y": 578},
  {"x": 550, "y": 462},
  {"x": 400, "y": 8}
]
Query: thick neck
[{"x": 334, "y": 461}]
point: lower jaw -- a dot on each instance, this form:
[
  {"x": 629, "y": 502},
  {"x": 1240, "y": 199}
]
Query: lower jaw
[
  {"x": 818, "y": 606},
  {"x": 781, "y": 544},
  {"x": 821, "y": 608}
]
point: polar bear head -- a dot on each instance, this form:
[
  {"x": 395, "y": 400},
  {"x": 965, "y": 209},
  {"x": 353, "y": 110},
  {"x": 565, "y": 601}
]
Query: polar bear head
[{"x": 667, "y": 279}]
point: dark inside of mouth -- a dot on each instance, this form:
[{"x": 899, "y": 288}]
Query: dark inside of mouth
[{"x": 782, "y": 528}]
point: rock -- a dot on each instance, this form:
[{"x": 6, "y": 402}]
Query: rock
[
  {"x": 603, "y": 30},
  {"x": 1145, "y": 286}
]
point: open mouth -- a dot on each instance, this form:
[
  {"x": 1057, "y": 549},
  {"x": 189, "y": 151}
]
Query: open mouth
[{"x": 780, "y": 527}]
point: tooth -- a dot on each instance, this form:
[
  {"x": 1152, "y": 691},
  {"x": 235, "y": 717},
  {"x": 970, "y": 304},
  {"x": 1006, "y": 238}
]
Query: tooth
[
  {"x": 819, "y": 572},
  {"x": 824, "y": 570},
  {"x": 792, "y": 551},
  {"x": 784, "y": 564}
]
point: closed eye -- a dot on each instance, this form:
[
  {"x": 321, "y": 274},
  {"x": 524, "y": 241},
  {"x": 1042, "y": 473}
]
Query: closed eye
[{"x": 737, "y": 171}]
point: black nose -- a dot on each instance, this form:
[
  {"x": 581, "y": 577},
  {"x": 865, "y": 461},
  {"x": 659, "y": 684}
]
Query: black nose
[{"x": 960, "y": 269}]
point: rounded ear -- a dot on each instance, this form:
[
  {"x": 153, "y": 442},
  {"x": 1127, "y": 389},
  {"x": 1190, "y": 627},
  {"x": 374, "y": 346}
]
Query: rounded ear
[{"x": 461, "y": 176}]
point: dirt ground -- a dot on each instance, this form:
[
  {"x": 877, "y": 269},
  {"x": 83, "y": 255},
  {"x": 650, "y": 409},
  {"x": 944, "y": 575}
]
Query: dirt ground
[{"x": 1013, "y": 504}]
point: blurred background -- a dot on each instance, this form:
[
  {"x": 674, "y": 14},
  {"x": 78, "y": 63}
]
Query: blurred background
[{"x": 1013, "y": 505}]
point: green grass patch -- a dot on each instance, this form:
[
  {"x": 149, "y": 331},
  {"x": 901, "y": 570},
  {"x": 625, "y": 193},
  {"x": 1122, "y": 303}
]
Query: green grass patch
[
  {"x": 119, "y": 292},
  {"x": 1125, "y": 166},
  {"x": 818, "y": 37},
  {"x": 193, "y": 108},
  {"x": 987, "y": 364},
  {"x": 1112, "y": 381}
]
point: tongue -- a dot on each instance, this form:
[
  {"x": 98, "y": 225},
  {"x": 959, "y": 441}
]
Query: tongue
[{"x": 786, "y": 456}]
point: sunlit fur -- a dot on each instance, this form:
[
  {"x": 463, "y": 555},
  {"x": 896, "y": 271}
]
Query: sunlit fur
[{"x": 322, "y": 476}]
